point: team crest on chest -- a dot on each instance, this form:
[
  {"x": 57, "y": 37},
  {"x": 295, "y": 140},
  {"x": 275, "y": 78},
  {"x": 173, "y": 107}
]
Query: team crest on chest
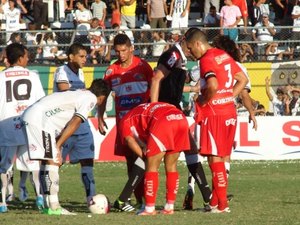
[
  {"x": 139, "y": 76},
  {"x": 115, "y": 81}
]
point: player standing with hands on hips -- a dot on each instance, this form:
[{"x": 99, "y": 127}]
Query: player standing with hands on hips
[{"x": 216, "y": 111}]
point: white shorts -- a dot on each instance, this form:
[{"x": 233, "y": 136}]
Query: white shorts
[
  {"x": 41, "y": 144},
  {"x": 23, "y": 163},
  {"x": 180, "y": 22}
]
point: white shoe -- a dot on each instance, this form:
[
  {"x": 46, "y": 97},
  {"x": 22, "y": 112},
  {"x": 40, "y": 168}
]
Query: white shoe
[
  {"x": 10, "y": 198},
  {"x": 216, "y": 210},
  {"x": 67, "y": 213}
]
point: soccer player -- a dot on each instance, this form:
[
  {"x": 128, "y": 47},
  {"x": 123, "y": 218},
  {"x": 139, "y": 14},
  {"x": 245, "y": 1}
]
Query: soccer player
[
  {"x": 80, "y": 146},
  {"x": 49, "y": 123},
  {"x": 216, "y": 110},
  {"x": 167, "y": 86},
  {"x": 20, "y": 88},
  {"x": 129, "y": 78},
  {"x": 143, "y": 130}
]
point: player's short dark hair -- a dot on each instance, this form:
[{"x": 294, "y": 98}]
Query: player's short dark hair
[
  {"x": 75, "y": 48},
  {"x": 99, "y": 87},
  {"x": 14, "y": 51},
  {"x": 228, "y": 45},
  {"x": 193, "y": 34},
  {"x": 122, "y": 39}
]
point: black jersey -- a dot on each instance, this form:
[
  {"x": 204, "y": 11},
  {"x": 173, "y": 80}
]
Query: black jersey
[{"x": 171, "y": 87}]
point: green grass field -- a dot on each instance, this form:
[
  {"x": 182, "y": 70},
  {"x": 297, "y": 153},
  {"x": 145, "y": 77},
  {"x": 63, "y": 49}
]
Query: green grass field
[{"x": 265, "y": 193}]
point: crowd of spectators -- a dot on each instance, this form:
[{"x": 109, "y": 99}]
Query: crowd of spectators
[{"x": 251, "y": 23}]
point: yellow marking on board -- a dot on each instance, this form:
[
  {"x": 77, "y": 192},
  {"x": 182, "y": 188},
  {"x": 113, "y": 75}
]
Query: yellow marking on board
[{"x": 51, "y": 79}]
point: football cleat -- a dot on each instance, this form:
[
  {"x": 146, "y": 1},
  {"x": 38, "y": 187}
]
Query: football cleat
[
  {"x": 188, "y": 200},
  {"x": 167, "y": 212},
  {"x": 39, "y": 202},
  {"x": 23, "y": 194},
  {"x": 145, "y": 213},
  {"x": 10, "y": 198},
  {"x": 3, "y": 208},
  {"x": 229, "y": 197},
  {"x": 216, "y": 210},
  {"x": 58, "y": 212},
  {"x": 120, "y": 206}
]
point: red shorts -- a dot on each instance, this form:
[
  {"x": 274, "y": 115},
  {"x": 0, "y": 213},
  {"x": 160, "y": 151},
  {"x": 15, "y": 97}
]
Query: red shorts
[
  {"x": 217, "y": 135},
  {"x": 120, "y": 148},
  {"x": 168, "y": 136}
]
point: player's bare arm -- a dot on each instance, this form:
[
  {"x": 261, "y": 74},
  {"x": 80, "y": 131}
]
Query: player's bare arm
[
  {"x": 67, "y": 132},
  {"x": 134, "y": 146},
  {"x": 159, "y": 74},
  {"x": 247, "y": 102},
  {"x": 63, "y": 86},
  {"x": 208, "y": 91},
  {"x": 241, "y": 82},
  {"x": 101, "y": 123}
]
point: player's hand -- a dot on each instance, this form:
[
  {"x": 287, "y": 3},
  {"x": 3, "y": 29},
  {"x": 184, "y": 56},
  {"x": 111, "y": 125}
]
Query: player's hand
[
  {"x": 253, "y": 119},
  {"x": 101, "y": 126},
  {"x": 58, "y": 158}
]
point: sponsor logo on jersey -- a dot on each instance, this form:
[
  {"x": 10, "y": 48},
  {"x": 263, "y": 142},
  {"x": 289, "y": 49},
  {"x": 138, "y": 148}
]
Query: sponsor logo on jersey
[
  {"x": 174, "y": 117},
  {"x": 139, "y": 76},
  {"x": 16, "y": 73},
  {"x": 115, "y": 81},
  {"x": 221, "y": 58},
  {"x": 21, "y": 108},
  {"x": 222, "y": 91},
  {"x": 172, "y": 59},
  {"x": 231, "y": 121},
  {"x": 222, "y": 101},
  {"x": 53, "y": 112},
  {"x": 130, "y": 101}
]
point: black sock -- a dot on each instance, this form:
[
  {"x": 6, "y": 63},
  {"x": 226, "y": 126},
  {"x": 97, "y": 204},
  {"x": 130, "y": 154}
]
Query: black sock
[
  {"x": 135, "y": 177},
  {"x": 197, "y": 172}
]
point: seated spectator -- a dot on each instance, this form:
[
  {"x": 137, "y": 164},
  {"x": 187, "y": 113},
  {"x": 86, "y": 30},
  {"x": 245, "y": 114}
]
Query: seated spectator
[
  {"x": 50, "y": 48},
  {"x": 263, "y": 33},
  {"x": 260, "y": 110},
  {"x": 247, "y": 53},
  {"x": 212, "y": 19},
  {"x": 274, "y": 53},
  {"x": 159, "y": 44},
  {"x": 98, "y": 8},
  {"x": 14, "y": 38},
  {"x": 82, "y": 20},
  {"x": 118, "y": 29},
  {"x": 98, "y": 41},
  {"x": 293, "y": 104},
  {"x": 145, "y": 37},
  {"x": 278, "y": 101}
]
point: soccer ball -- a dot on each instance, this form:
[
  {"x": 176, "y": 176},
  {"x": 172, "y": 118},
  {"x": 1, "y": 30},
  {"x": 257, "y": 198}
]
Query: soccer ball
[{"x": 99, "y": 204}]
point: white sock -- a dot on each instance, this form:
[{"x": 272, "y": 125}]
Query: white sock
[
  {"x": 4, "y": 181},
  {"x": 227, "y": 168},
  {"x": 169, "y": 206},
  {"x": 52, "y": 185},
  {"x": 35, "y": 181},
  {"x": 149, "y": 208},
  {"x": 10, "y": 182}
]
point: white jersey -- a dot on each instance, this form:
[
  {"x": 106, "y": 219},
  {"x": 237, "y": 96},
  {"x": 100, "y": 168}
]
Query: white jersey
[
  {"x": 12, "y": 19},
  {"x": 11, "y": 132},
  {"x": 85, "y": 15},
  {"x": 64, "y": 74},
  {"x": 54, "y": 111},
  {"x": 20, "y": 88}
]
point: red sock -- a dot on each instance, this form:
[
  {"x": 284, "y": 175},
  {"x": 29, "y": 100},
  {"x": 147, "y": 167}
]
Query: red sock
[
  {"x": 150, "y": 187},
  {"x": 220, "y": 183},
  {"x": 172, "y": 184},
  {"x": 214, "y": 197}
]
